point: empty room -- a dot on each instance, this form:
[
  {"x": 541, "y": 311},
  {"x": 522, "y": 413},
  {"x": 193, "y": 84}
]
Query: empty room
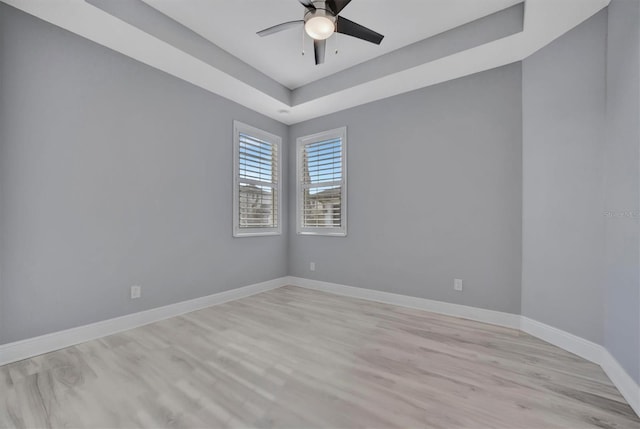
[{"x": 320, "y": 214}]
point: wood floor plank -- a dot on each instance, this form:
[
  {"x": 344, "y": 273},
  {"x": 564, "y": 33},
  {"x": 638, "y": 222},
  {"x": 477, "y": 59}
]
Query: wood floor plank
[{"x": 297, "y": 358}]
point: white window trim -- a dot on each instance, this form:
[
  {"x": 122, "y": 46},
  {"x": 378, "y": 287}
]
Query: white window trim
[
  {"x": 239, "y": 127},
  {"x": 300, "y": 143}
]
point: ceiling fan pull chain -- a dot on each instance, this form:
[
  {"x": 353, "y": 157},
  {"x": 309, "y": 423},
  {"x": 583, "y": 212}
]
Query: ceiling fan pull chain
[
  {"x": 337, "y": 44},
  {"x": 303, "y": 40}
]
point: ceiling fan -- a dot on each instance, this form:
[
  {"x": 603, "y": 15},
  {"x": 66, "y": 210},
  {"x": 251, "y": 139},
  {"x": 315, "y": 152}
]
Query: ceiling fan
[{"x": 321, "y": 20}]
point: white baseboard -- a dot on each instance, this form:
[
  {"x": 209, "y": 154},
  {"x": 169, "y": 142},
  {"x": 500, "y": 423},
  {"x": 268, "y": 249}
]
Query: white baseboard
[
  {"x": 593, "y": 352},
  {"x": 586, "y": 349},
  {"x": 623, "y": 381},
  {"x": 472, "y": 313},
  {"x": 35, "y": 346},
  {"x": 590, "y": 351},
  {"x": 572, "y": 343}
]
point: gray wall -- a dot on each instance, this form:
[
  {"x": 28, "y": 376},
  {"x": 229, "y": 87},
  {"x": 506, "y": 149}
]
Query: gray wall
[
  {"x": 434, "y": 186},
  {"x": 622, "y": 208},
  {"x": 135, "y": 188},
  {"x": 2, "y": 138},
  {"x": 112, "y": 174},
  {"x": 563, "y": 225}
]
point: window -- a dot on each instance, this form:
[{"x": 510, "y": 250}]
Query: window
[
  {"x": 321, "y": 183},
  {"x": 256, "y": 184}
]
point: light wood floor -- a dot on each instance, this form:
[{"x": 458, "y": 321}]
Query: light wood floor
[{"x": 296, "y": 358}]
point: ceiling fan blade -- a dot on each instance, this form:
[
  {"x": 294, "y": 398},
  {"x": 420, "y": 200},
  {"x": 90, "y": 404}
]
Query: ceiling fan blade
[
  {"x": 337, "y": 5},
  {"x": 350, "y": 28},
  {"x": 308, "y": 4},
  {"x": 279, "y": 27},
  {"x": 319, "y": 48}
]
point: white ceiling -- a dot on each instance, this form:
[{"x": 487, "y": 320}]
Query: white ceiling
[
  {"x": 232, "y": 25},
  {"x": 544, "y": 21}
]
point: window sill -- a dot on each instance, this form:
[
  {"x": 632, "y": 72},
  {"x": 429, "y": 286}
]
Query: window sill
[
  {"x": 324, "y": 233},
  {"x": 255, "y": 234}
]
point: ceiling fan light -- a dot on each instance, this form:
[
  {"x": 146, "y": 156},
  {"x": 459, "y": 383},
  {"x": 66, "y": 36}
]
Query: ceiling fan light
[{"x": 319, "y": 27}]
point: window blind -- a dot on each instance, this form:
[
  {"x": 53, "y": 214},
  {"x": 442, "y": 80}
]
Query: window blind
[
  {"x": 258, "y": 180},
  {"x": 322, "y": 184}
]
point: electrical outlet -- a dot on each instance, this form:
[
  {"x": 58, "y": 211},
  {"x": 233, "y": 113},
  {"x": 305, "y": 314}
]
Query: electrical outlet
[
  {"x": 457, "y": 284},
  {"x": 312, "y": 266},
  {"x": 136, "y": 292}
]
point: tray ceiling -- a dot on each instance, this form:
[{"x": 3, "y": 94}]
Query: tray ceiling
[
  {"x": 212, "y": 44},
  {"x": 232, "y": 25}
]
